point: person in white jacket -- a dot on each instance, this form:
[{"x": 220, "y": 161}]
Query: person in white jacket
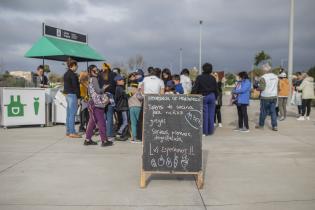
[
  {"x": 307, "y": 88},
  {"x": 185, "y": 81},
  {"x": 268, "y": 85}
]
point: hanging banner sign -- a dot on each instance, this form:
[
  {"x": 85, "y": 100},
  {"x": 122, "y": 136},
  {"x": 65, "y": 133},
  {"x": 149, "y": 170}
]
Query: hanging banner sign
[{"x": 64, "y": 34}]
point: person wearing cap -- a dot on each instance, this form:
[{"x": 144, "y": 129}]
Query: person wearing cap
[
  {"x": 268, "y": 85},
  {"x": 135, "y": 105},
  {"x": 178, "y": 86},
  {"x": 170, "y": 87},
  {"x": 106, "y": 77},
  {"x": 283, "y": 94},
  {"x": 121, "y": 100},
  {"x": 139, "y": 76}
]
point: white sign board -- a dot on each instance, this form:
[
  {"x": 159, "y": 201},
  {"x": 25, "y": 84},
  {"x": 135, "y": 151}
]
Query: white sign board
[{"x": 22, "y": 106}]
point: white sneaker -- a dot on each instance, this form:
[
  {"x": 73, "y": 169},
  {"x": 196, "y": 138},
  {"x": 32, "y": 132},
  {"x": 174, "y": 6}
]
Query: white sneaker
[
  {"x": 308, "y": 118},
  {"x": 244, "y": 130},
  {"x": 220, "y": 125},
  {"x": 301, "y": 118}
]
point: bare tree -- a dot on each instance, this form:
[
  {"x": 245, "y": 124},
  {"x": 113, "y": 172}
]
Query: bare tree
[
  {"x": 132, "y": 63},
  {"x": 139, "y": 61}
]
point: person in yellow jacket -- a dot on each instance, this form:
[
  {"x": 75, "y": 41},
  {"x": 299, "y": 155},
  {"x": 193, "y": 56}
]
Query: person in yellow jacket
[
  {"x": 84, "y": 113},
  {"x": 283, "y": 94}
]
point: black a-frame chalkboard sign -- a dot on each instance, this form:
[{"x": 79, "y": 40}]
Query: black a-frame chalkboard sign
[{"x": 172, "y": 136}]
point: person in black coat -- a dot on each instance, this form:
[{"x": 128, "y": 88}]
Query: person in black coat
[
  {"x": 41, "y": 77},
  {"x": 121, "y": 100},
  {"x": 72, "y": 91},
  {"x": 206, "y": 85}
]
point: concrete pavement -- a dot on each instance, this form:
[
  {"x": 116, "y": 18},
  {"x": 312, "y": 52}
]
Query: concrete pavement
[{"x": 41, "y": 169}]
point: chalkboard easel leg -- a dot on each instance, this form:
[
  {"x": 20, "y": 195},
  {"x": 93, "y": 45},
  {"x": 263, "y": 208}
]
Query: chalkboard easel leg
[
  {"x": 143, "y": 179},
  {"x": 199, "y": 179}
]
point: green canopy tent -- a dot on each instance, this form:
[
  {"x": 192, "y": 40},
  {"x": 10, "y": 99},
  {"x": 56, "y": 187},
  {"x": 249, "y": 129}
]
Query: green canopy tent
[{"x": 60, "y": 50}]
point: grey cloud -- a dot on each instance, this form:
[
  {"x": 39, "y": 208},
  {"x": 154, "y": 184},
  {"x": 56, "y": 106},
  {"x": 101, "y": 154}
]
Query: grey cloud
[
  {"x": 233, "y": 31},
  {"x": 39, "y": 6}
]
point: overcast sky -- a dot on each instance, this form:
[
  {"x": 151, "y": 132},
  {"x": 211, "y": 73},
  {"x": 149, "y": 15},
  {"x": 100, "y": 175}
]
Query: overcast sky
[{"x": 233, "y": 30}]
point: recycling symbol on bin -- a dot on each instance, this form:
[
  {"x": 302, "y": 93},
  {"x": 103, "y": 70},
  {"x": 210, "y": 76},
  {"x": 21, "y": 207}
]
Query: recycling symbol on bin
[{"x": 15, "y": 108}]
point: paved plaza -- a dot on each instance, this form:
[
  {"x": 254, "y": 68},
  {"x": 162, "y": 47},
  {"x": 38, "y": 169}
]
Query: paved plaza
[{"x": 41, "y": 169}]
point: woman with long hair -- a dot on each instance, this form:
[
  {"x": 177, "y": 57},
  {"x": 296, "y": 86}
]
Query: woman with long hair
[
  {"x": 166, "y": 75},
  {"x": 98, "y": 101}
]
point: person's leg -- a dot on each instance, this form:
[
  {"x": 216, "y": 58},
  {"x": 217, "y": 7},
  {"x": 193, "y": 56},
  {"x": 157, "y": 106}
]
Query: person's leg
[
  {"x": 124, "y": 122},
  {"x": 137, "y": 113},
  {"x": 215, "y": 114},
  {"x": 99, "y": 115},
  {"x": 73, "y": 105},
  {"x": 139, "y": 125},
  {"x": 280, "y": 105},
  {"x": 86, "y": 117},
  {"x": 272, "y": 108},
  {"x": 303, "y": 107},
  {"x": 90, "y": 127},
  {"x": 109, "y": 121},
  {"x": 300, "y": 109},
  {"x": 285, "y": 101},
  {"x": 133, "y": 121},
  {"x": 81, "y": 127},
  {"x": 245, "y": 115},
  {"x": 308, "y": 106},
  {"x": 219, "y": 114},
  {"x": 211, "y": 112},
  {"x": 263, "y": 113},
  {"x": 67, "y": 115},
  {"x": 240, "y": 117},
  {"x": 205, "y": 115}
]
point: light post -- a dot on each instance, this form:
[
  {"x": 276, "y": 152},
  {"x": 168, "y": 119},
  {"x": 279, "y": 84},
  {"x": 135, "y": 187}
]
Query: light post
[
  {"x": 290, "y": 57},
  {"x": 200, "y": 39},
  {"x": 180, "y": 59}
]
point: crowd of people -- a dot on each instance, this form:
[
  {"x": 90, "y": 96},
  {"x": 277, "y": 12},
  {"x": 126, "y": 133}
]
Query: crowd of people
[{"x": 112, "y": 105}]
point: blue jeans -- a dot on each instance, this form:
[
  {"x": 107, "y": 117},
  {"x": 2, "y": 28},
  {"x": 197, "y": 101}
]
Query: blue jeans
[
  {"x": 109, "y": 120},
  {"x": 208, "y": 113},
  {"x": 268, "y": 107},
  {"x": 134, "y": 119},
  {"x": 72, "y": 106},
  {"x": 124, "y": 124}
]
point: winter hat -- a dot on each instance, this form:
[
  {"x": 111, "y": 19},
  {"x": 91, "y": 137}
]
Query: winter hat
[
  {"x": 283, "y": 75},
  {"x": 139, "y": 71},
  {"x": 170, "y": 84},
  {"x": 118, "y": 77}
]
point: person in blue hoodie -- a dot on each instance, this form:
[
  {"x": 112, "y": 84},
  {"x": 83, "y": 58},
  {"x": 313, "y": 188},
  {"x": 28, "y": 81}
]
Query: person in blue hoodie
[
  {"x": 178, "y": 86},
  {"x": 243, "y": 96}
]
